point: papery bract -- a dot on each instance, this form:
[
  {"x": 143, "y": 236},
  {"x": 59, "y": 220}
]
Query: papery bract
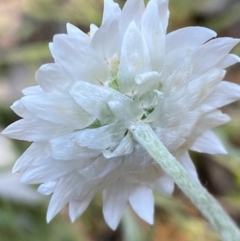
[{"x": 127, "y": 70}]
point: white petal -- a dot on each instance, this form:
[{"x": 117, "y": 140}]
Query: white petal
[
  {"x": 48, "y": 170},
  {"x": 163, "y": 12},
  {"x": 187, "y": 163},
  {"x": 210, "y": 120},
  {"x": 147, "y": 77},
  {"x": 77, "y": 207},
  {"x": 52, "y": 77},
  {"x": 180, "y": 42},
  {"x": 35, "y": 130},
  {"x": 100, "y": 168},
  {"x": 34, "y": 153},
  {"x": 165, "y": 185},
  {"x": 229, "y": 60},
  {"x": 173, "y": 137},
  {"x": 96, "y": 101},
  {"x": 73, "y": 31},
  {"x": 125, "y": 110},
  {"x": 66, "y": 148},
  {"x": 21, "y": 110},
  {"x": 132, "y": 12},
  {"x": 188, "y": 37},
  {"x": 48, "y": 107},
  {"x": 64, "y": 192},
  {"x": 93, "y": 99},
  {"x": 157, "y": 112},
  {"x": 33, "y": 90},
  {"x": 211, "y": 53},
  {"x": 111, "y": 11},
  {"x": 106, "y": 40},
  {"x": 203, "y": 87},
  {"x": 224, "y": 94},
  {"x": 134, "y": 60},
  {"x": 47, "y": 188},
  {"x": 51, "y": 48},
  {"x": 93, "y": 30},
  {"x": 102, "y": 137},
  {"x": 80, "y": 63},
  {"x": 115, "y": 199},
  {"x": 154, "y": 35},
  {"x": 125, "y": 147},
  {"x": 180, "y": 77},
  {"x": 137, "y": 163},
  {"x": 209, "y": 143},
  {"x": 142, "y": 202}
]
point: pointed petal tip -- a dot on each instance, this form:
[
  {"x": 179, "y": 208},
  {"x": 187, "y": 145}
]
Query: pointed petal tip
[
  {"x": 237, "y": 40},
  {"x": 4, "y": 132},
  {"x": 72, "y": 217},
  {"x": 18, "y": 167},
  {"x": 113, "y": 226},
  {"x": 109, "y": 221},
  {"x": 237, "y": 58},
  {"x": 112, "y": 223},
  {"x": 48, "y": 219},
  {"x": 209, "y": 143},
  {"x": 112, "y": 218},
  {"x": 27, "y": 178},
  {"x": 164, "y": 185},
  {"x": 50, "y": 215},
  {"x": 169, "y": 190},
  {"x": 24, "y": 179},
  {"x": 12, "y": 131},
  {"x": 15, "y": 168},
  {"x": 68, "y": 25},
  {"x": 142, "y": 202},
  {"x": 150, "y": 219},
  {"x": 223, "y": 151}
]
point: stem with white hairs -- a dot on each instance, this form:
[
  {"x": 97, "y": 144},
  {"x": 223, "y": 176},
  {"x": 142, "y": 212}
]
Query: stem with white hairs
[{"x": 200, "y": 197}]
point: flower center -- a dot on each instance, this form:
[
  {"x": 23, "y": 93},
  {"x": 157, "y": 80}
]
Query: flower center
[{"x": 147, "y": 99}]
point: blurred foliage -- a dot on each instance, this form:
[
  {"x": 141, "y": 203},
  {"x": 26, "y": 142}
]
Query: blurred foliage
[
  {"x": 18, "y": 222},
  {"x": 26, "y": 27},
  {"x": 76, "y": 11},
  {"x": 26, "y": 54}
]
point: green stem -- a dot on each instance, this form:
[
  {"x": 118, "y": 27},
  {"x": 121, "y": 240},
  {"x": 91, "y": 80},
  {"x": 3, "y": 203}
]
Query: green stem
[
  {"x": 203, "y": 200},
  {"x": 131, "y": 229}
]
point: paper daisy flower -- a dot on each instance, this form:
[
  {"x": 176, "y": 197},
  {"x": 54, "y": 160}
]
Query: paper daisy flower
[{"x": 126, "y": 71}]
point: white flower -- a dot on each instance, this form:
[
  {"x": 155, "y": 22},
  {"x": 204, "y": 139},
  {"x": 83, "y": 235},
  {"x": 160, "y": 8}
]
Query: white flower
[{"x": 128, "y": 70}]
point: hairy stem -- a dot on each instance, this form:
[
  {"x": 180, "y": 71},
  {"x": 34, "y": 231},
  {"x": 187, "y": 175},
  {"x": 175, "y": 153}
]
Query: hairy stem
[{"x": 200, "y": 197}]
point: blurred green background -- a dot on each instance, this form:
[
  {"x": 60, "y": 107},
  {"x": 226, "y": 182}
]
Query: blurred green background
[{"x": 26, "y": 27}]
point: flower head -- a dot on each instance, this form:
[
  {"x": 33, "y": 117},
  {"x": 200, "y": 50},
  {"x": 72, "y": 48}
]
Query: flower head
[{"x": 127, "y": 70}]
